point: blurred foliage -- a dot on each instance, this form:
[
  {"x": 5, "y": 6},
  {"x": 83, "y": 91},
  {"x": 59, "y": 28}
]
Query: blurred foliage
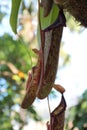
[
  {"x": 15, "y": 62},
  {"x": 1, "y": 16},
  {"x": 16, "y": 59},
  {"x": 2, "y": 12},
  {"x": 72, "y": 23},
  {"x": 77, "y": 115},
  {"x": 64, "y": 57}
]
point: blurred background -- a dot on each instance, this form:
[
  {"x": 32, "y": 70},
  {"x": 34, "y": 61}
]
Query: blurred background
[{"x": 17, "y": 58}]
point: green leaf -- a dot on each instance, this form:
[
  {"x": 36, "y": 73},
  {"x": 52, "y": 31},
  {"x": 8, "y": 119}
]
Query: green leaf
[
  {"x": 46, "y": 21},
  {"x": 14, "y": 14}
]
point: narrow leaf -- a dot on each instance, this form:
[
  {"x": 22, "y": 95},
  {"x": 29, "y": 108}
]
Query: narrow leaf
[
  {"x": 46, "y": 21},
  {"x": 14, "y": 14}
]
